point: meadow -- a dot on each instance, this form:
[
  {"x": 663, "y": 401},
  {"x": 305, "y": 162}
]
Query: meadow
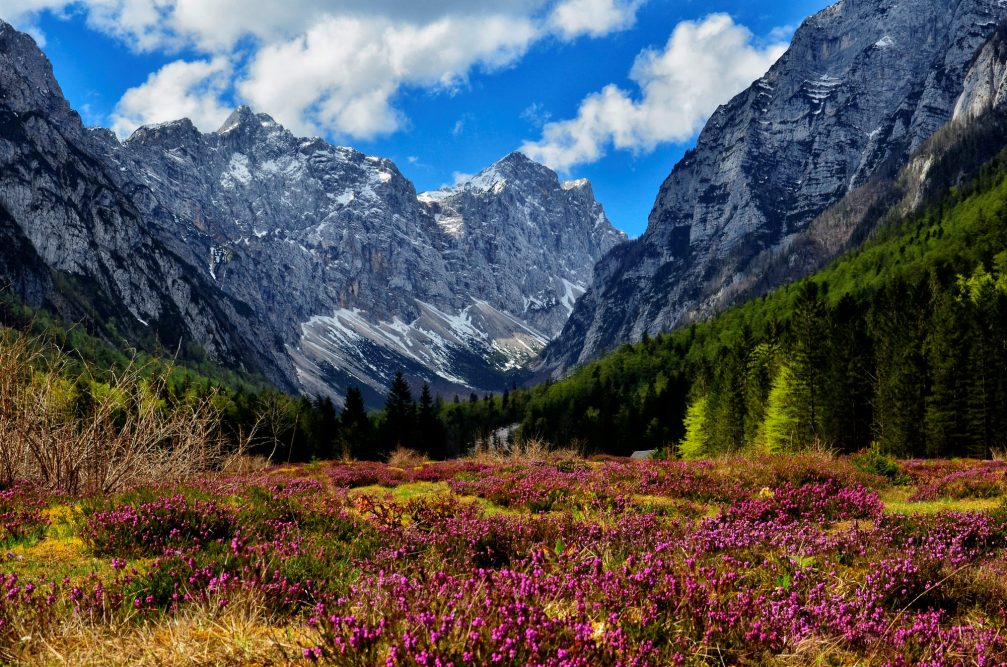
[{"x": 794, "y": 560}]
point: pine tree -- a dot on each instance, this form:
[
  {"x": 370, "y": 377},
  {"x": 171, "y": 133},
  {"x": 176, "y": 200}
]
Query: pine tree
[
  {"x": 847, "y": 393},
  {"x": 696, "y": 443},
  {"x": 326, "y": 429},
  {"x": 784, "y": 427},
  {"x": 357, "y": 430},
  {"x": 431, "y": 434},
  {"x": 808, "y": 354},
  {"x": 398, "y": 428},
  {"x": 900, "y": 374},
  {"x": 944, "y": 350},
  {"x": 727, "y": 402}
]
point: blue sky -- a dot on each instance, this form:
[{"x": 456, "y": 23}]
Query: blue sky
[{"x": 610, "y": 90}]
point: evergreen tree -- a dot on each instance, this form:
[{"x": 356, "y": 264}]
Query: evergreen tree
[
  {"x": 944, "y": 403},
  {"x": 325, "y": 434},
  {"x": 809, "y": 350},
  {"x": 696, "y": 443},
  {"x": 900, "y": 373},
  {"x": 846, "y": 391},
  {"x": 431, "y": 434},
  {"x": 398, "y": 428},
  {"x": 356, "y": 428},
  {"x": 784, "y": 427}
]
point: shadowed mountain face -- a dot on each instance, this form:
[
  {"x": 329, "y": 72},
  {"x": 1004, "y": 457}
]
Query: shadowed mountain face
[
  {"x": 863, "y": 86},
  {"x": 316, "y": 265}
]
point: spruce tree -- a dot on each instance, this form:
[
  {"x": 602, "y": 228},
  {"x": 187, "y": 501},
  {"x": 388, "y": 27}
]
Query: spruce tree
[
  {"x": 357, "y": 430},
  {"x": 398, "y": 428},
  {"x": 431, "y": 434}
]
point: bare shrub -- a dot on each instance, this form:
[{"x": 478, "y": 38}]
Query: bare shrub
[
  {"x": 530, "y": 450},
  {"x": 106, "y": 436}
]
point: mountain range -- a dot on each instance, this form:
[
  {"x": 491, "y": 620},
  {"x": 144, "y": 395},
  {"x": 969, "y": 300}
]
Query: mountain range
[
  {"x": 320, "y": 267},
  {"x": 314, "y": 265}
]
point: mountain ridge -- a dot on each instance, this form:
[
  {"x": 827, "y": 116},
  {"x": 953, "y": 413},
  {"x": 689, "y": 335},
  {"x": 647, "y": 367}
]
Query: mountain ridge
[{"x": 314, "y": 264}]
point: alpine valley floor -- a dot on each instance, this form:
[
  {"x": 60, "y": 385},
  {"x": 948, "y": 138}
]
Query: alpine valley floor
[{"x": 551, "y": 560}]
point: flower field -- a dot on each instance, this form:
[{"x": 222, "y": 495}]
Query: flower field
[{"x": 799, "y": 560}]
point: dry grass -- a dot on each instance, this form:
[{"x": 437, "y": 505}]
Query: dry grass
[
  {"x": 241, "y": 463},
  {"x": 405, "y": 459},
  {"x": 239, "y": 633}
]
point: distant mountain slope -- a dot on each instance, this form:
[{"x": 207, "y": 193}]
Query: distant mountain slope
[
  {"x": 314, "y": 264},
  {"x": 863, "y": 86}
]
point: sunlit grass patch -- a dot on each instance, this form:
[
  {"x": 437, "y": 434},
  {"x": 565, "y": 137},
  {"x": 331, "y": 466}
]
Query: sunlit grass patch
[
  {"x": 241, "y": 633},
  {"x": 674, "y": 507},
  {"x": 897, "y": 501},
  {"x": 405, "y": 492}
]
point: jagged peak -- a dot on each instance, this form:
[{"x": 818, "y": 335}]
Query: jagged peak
[
  {"x": 244, "y": 117},
  {"x": 181, "y": 128},
  {"x": 28, "y": 69},
  {"x": 512, "y": 168},
  {"x": 578, "y": 184}
]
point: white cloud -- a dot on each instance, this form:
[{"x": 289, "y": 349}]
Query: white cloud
[
  {"x": 572, "y": 18},
  {"x": 703, "y": 65},
  {"x": 344, "y": 73},
  {"x": 536, "y": 115},
  {"x": 178, "y": 90},
  {"x": 331, "y": 67}
]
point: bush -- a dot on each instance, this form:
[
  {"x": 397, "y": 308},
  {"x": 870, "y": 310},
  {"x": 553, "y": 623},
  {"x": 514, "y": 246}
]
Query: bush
[{"x": 874, "y": 462}]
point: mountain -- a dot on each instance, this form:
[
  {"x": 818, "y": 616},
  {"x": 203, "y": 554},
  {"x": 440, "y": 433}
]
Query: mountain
[
  {"x": 315, "y": 265},
  {"x": 76, "y": 243},
  {"x": 897, "y": 346},
  {"x": 863, "y": 87}
]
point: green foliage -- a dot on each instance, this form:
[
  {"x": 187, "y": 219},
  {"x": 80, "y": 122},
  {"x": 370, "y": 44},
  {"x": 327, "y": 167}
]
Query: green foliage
[
  {"x": 785, "y": 425},
  {"x": 875, "y": 462},
  {"x": 696, "y": 443}
]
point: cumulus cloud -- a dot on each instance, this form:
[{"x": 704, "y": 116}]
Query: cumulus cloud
[
  {"x": 703, "y": 65},
  {"x": 180, "y": 89},
  {"x": 345, "y": 72},
  {"x": 325, "y": 66},
  {"x": 572, "y": 18}
]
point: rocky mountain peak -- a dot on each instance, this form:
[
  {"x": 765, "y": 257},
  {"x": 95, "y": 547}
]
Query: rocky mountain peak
[
  {"x": 172, "y": 134},
  {"x": 244, "y": 119}
]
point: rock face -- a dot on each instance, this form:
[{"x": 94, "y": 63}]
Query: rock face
[
  {"x": 74, "y": 241},
  {"x": 863, "y": 86},
  {"x": 313, "y": 264}
]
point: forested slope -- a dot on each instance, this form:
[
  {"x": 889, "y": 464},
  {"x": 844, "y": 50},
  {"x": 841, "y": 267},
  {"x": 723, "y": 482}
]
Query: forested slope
[{"x": 900, "y": 343}]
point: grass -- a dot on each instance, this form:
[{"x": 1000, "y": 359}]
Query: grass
[
  {"x": 406, "y": 492},
  {"x": 897, "y": 501},
  {"x": 240, "y": 634}
]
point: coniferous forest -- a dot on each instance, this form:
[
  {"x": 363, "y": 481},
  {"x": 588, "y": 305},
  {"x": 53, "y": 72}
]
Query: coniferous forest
[{"x": 898, "y": 345}]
